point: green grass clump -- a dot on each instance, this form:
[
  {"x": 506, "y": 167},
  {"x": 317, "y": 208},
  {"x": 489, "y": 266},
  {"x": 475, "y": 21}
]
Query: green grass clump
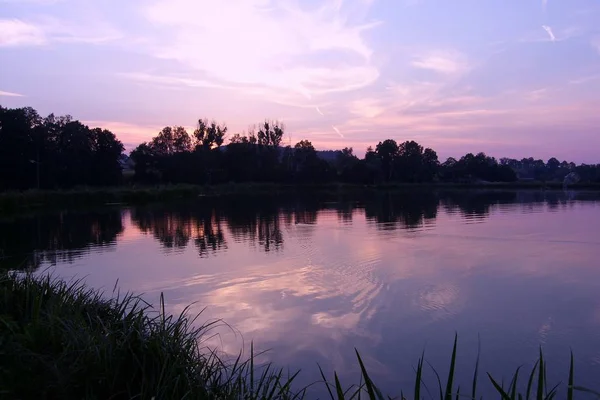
[{"x": 62, "y": 340}]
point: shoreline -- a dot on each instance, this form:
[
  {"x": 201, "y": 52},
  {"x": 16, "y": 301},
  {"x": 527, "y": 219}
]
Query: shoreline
[{"x": 130, "y": 195}]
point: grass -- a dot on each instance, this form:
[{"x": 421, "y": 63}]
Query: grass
[
  {"x": 64, "y": 340},
  {"x": 14, "y": 201}
]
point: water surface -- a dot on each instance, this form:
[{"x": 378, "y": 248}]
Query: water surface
[{"x": 312, "y": 277}]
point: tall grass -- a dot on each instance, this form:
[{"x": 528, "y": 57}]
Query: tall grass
[{"x": 62, "y": 340}]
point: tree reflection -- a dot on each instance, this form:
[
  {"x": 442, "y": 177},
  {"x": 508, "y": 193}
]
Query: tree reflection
[
  {"x": 28, "y": 242},
  {"x": 259, "y": 221},
  {"x": 404, "y": 210},
  {"x": 175, "y": 226},
  {"x": 476, "y": 204}
]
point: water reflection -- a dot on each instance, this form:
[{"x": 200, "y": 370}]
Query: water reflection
[
  {"x": 175, "y": 228},
  {"x": 28, "y": 242},
  {"x": 313, "y": 276},
  {"x": 259, "y": 221}
]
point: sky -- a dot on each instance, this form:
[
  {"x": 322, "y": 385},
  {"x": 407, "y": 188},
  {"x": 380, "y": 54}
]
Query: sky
[{"x": 514, "y": 78}]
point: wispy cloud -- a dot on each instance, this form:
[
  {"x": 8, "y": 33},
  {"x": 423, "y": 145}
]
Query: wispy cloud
[
  {"x": 32, "y": 1},
  {"x": 367, "y": 107},
  {"x": 445, "y": 62},
  {"x": 266, "y": 44},
  {"x": 537, "y": 95},
  {"x": 17, "y": 32},
  {"x": 10, "y": 94},
  {"x": 14, "y": 32},
  {"x": 584, "y": 79},
  {"x": 172, "y": 80},
  {"x": 337, "y": 130},
  {"x": 596, "y": 44},
  {"x": 549, "y": 32}
]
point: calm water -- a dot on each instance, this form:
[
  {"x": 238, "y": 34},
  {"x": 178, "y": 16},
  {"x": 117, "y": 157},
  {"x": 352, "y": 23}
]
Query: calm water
[{"x": 390, "y": 274}]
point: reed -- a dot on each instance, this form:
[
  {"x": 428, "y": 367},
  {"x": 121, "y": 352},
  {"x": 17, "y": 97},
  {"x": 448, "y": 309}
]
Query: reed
[{"x": 64, "y": 340}]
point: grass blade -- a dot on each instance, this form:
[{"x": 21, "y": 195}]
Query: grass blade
[
  {"x": 541, "y": 375},
  {"x": 338, "y": 387},
  {"x": 450, "y": 382},
  {"x": 439, "y": 381},
  {"x": 326, "y": 383},
  {"x": 586, "y": 390},
  {"x": 513, "y": 385},
  {"x": 371, "y": 389},
  {"x": 475, "y": 374},
  {"x": 571, "y": 378},
  {"x": 419, "y": 378},
  {"x": 499, "y": 389},
  {"x": 530, "y": 381}
]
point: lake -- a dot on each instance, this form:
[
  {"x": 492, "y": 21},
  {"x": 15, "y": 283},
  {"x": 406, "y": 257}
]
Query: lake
[{"x": 310, "y": 277}]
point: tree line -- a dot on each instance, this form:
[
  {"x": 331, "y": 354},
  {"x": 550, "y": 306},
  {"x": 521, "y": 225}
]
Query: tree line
[
  {"x": 60, "y": 152},
  {"x": 55, "y": 152}
]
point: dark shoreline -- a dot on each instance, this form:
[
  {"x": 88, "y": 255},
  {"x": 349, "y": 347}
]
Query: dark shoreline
[{"x": 130, "y": 195}]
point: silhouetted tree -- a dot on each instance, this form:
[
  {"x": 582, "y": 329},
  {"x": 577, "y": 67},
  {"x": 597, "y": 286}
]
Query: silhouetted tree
[
  {"x": 209, "y": 136},
  {"x": 387, "y": 151},
  {"x": 55, "y": 152},
  {"x": 270, "y": 134}
]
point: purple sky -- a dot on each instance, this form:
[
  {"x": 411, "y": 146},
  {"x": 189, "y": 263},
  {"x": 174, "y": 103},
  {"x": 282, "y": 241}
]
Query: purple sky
[{"x": 509, "y": 77}]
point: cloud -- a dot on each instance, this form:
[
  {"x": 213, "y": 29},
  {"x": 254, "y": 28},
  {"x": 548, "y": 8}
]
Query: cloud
[
  {"x": 337, "y": 130},
  {"x": 596, "y": 44},
  {"x": 266, "y": 44},
  {"x": 14, "y": 32},
  {"x": 584, "y": 79},
  {"x": 172, "y": 80},
  {"x": 550, "y": 33},
  {"x": 537, "y": 95},
  {"x": 37, "y": 2},
  {"x": 445, "y": 62},
  {"x": 366, "y": 107},
  {"x": 10, "y": 94}
]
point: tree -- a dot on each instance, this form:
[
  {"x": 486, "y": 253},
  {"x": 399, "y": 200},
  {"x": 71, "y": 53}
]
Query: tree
[
  {"x": 163, "y": 143},
  {"x": 304, "y": 154},
  {"x": 307, "y": 165},
  {"x": 145, "y": 160},
  {"x": 106, "y": 149},
  {"x": 208, "y": 136},
  {"x": 182, "y": 142},
  {"x": 431, "y": 164},
  {"x": 387, "y": 152},
  {"x": 410, "y": 161},
  {"x": 238, "y": 139},
  {"x": 270, "y": 134},
  {"x": 19, "y": 147}
]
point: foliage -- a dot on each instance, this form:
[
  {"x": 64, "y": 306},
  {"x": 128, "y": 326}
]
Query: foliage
[
  {"x": 55, "y": 152},
  {"x": 63, "y": 340},
  {"x": 58, "y": 152}
]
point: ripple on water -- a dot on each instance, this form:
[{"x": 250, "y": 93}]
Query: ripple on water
[{"x": 440, "y": 301}]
